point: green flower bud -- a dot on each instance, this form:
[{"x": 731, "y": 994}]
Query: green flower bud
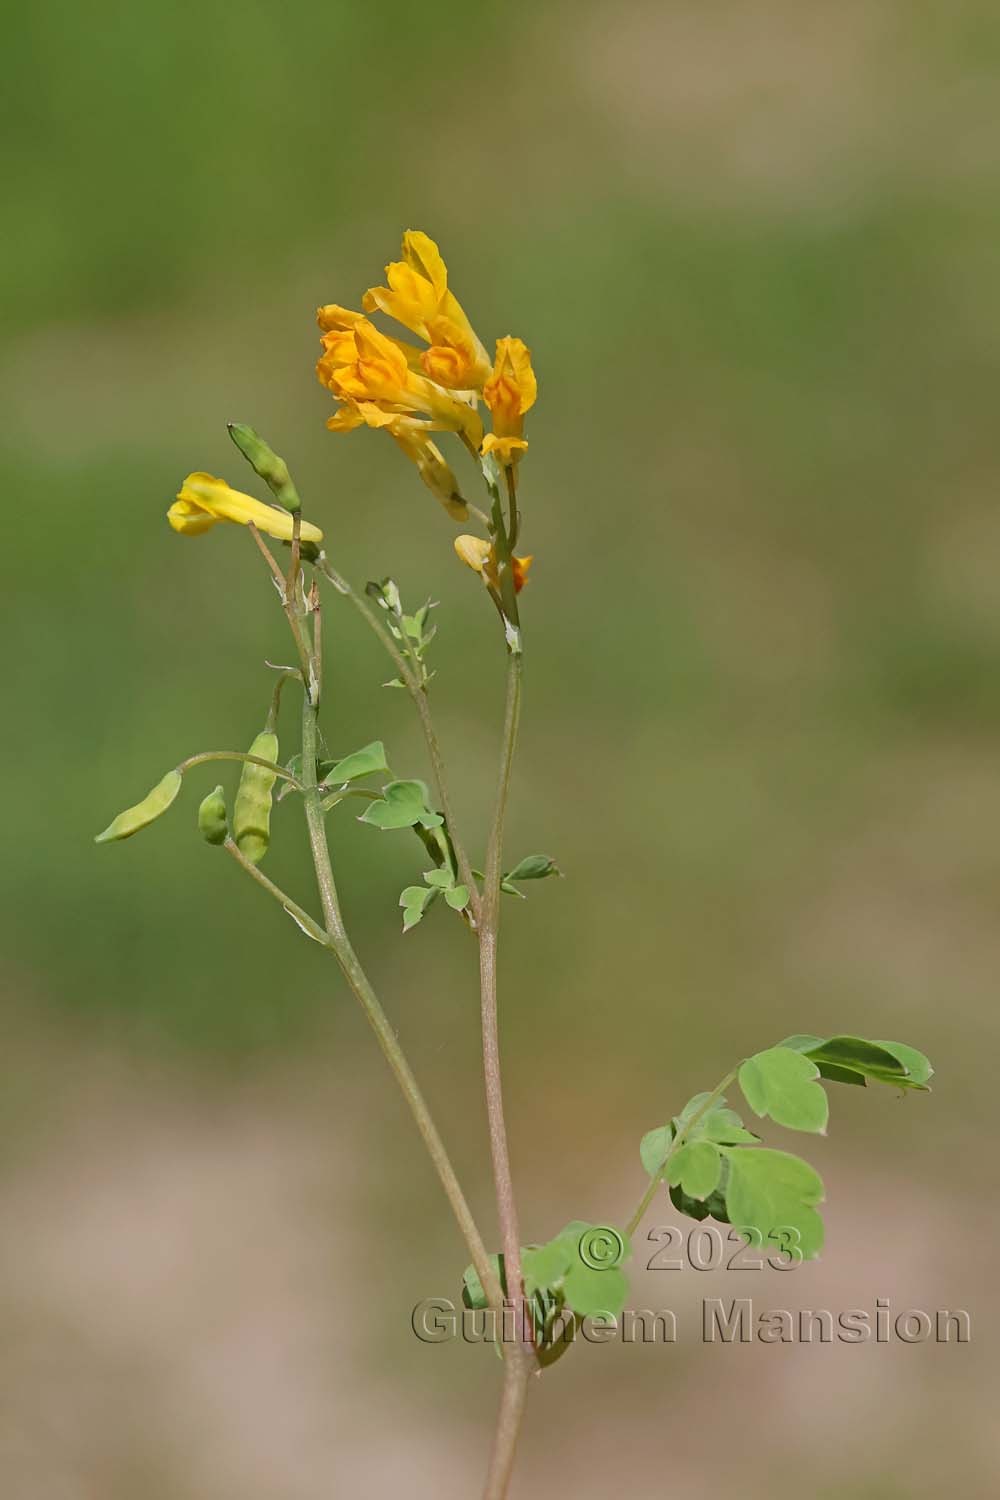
[
  {"x": 143, "y": 813},
  {"x": 272, "y": 469},
  {"x": 212, "y": 822}
]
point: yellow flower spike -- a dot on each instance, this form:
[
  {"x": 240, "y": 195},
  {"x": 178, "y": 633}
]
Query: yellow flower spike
[
  {"x": 203, "y": 501},
  {"x": 482, "y": 559},
  {"x": 510, "y": 392},
  {"x": 418, "y": 297}
]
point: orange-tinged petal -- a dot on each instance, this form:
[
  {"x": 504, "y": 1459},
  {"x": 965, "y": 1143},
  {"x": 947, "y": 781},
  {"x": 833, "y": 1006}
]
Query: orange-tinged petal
[{"x": 521, "y": 567}]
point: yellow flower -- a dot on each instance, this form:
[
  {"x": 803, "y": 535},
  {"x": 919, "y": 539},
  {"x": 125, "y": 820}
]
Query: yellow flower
[
  {"x": 418, "y": 297},
  {"x": 481, "y": 557},
  {"x": 510, "y": 392},
  {"x": 204, "y": 500},
  {"x": 362, "y": 364},
  {"x": 411, "y": 436}
]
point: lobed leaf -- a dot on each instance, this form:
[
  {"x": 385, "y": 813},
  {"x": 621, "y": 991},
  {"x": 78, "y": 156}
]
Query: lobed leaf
[
  {"x": 773, "y": 1191},
  {"x": 363, "y": 762},
  {"x": 781, "y": 1082},
  {"x": 695, "y": 1168}
]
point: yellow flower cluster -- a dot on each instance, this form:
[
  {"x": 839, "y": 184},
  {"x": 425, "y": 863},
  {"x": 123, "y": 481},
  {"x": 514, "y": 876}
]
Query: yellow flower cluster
[{"x": 382, "y": 381}]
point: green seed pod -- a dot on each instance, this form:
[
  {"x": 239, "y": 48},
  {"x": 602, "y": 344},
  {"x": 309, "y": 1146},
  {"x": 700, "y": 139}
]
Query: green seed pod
[
  {"x": 212, "y": 822},
  {"x": 252, "y": 809},
  {"x": 272, "y": 469},
  {"x": 143, "y": 813}
]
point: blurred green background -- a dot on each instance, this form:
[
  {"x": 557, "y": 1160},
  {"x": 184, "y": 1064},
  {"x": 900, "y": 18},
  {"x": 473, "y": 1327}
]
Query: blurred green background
[{"x": 753, "y": 246}]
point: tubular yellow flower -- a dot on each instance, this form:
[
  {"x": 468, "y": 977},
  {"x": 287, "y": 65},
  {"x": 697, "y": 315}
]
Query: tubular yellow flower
[
  {"x": 510, "y": 391},
  {"x": 480, "y": 556},
  {"x": 418, "y": 297},
  {"x": 434, "y": 470},
  {"x": 203, "y": 501},
  {"x": 411, "y": 436},
  {"x": 362, "y": 364}
]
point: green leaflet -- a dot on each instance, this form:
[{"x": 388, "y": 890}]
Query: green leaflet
[
  {"x": 852, "y": 1059},
  {"x": 772, "y": 1192},
  {"x": 363, "y": 762},
  {"x": 782, "y": 1083},
  {"x": 402, "y": 804},
  {"x": 695, "y": 1168}
]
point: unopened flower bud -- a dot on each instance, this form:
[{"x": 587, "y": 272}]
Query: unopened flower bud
[{"x": 262, "y": 458}]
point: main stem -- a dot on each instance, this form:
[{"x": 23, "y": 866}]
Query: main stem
[
  {"x": 333, "y": 933},
  {"x": 379, "y": 1021},
  {"x": 519, "y": 1358}
]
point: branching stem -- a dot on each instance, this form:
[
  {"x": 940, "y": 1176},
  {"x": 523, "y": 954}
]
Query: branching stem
[{"x": 418, "y": 694}]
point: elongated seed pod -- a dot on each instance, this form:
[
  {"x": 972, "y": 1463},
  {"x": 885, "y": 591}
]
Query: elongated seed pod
[
  {"x": 212, "y": 822},
  {"x": 252, "y": 809},
  {"x": 143, "y": 813}
]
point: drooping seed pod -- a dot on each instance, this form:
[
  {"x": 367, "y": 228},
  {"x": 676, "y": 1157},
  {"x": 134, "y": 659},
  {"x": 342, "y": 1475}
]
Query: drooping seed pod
[
  {"x": 212, "y": 822},
  {"x": 143, "y": 813},
  {"x": 252, "y": 809}
]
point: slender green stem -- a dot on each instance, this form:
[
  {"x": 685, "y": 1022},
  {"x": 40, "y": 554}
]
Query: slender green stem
[
  {"x": 675, "y": 1145},
  {"x": 301, "y": 916},
  {"x": 287, "y": 588},
  {"x": 516, "y": 1375},
  {"x": 358, "y": 980},
  {"x": 333, "y": 934},
  {"x": 419, "y": 696},
  {"x": 255, "y": 760},
  {"x": 519, "y": 1357}
]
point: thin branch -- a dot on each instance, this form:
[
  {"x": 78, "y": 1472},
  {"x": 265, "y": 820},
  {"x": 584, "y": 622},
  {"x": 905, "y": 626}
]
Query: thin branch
[
  {"x": 420, "y": 702},
  {"x": 255, "y": 760}
]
